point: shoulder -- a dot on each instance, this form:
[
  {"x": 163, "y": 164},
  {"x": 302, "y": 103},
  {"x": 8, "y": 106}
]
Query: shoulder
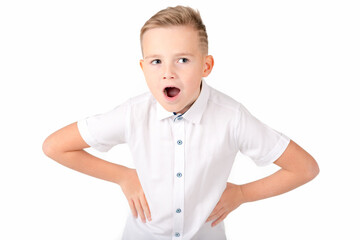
[
  {"x": 141, "y": 104},
  {"x": 221, "y": 101},
  {"x": 142, "y": 101},
  {"x": 139, "y": 100}
]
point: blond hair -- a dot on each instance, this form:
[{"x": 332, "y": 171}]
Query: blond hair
[{"x": 178, "y": 16}]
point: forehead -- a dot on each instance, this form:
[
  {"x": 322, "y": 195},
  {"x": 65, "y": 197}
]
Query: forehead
[{"x": 165, "y": 40}]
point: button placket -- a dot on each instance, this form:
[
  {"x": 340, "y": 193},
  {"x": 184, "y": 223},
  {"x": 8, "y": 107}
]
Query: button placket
[{"x": 179, "y": 187}]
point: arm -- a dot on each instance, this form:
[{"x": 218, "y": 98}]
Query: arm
[
  {"x": 297, "y": 168},
  {"x": 66, "y": 146}
]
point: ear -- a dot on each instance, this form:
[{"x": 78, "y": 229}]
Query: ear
[
  {"x": 208, "y": 65},
  {"x": 142, "y": 64}
]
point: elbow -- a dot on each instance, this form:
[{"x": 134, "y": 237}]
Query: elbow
[
  {"x": 312, "y": 170},
  {"x": 48, "y": 147}
]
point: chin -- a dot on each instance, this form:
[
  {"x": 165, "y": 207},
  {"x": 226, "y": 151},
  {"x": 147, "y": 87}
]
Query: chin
[{"x": 171, "y": 108}]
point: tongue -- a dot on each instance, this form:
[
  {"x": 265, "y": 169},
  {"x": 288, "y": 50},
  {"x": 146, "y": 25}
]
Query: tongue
[{"x": 172, "y": 92}]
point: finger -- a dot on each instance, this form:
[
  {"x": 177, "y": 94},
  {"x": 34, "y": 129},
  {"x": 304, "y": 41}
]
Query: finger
[
  {"x": 214, "y": 214},
  {"x": 140, "y": 210},
  {"x": 219, "y": 214},
  {"x": 145, "y": 207},
  {"x": 132, "y": 207},
  {"x": 215, "y": 211},
  {"x": 222, "y": 217}
]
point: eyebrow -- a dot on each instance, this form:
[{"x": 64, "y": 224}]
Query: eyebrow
[{"x": 176, "y": 55}]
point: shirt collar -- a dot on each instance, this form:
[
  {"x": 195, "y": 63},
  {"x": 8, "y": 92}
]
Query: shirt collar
[{"x": 195, "y": 112}]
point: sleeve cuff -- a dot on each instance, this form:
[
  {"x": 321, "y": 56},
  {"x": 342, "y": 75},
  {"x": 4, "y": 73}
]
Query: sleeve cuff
[
  {"x": 276, "y": 152},
  {"x": 88, "y": 138}
]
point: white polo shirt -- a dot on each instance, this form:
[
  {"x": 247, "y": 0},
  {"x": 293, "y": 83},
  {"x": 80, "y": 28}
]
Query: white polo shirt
[{"x": 183, "y": 162}]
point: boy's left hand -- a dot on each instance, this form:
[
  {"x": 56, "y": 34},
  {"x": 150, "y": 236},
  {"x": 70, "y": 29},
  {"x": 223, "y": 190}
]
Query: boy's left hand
[{"x": 230, "y": 199}]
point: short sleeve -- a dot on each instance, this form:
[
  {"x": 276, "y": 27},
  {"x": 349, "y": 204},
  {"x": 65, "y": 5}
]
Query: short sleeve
[
  {"x": 104, "y": 131},
  {"x": 258, "y": 141}
]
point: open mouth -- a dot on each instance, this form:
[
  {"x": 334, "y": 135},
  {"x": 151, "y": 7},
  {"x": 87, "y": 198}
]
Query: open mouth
[{"x": 171, "y": 91}]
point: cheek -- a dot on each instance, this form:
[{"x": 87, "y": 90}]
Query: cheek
[
  {"x": 189, "y": 71},
  {"x": 149, "y": 74},
  {"x": 153, "y": 72},
  {"x": 192, "y": 75},
  {"x": 152, "y": 80},
  {"x": 197, "y": 70}
]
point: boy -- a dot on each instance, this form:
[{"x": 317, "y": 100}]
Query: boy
[{"x": 184, "y": 137}]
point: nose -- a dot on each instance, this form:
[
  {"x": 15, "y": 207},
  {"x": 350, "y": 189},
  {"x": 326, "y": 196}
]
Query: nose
[{"x": 168, "y": 72}]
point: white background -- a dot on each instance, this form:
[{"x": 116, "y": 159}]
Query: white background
[{"x": 293, "y": 64}]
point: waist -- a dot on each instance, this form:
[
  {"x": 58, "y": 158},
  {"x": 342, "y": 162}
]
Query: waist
[{"x": 135, "y": 229}]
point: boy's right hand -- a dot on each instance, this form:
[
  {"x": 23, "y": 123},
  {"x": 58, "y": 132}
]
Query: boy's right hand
[{"x": 135, "y": 195}]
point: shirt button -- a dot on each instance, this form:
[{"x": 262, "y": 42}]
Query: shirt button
[
  {"x": 177, "y": 234},
  {"x": 179, "y": 174},
  {"x": 178, "y": 210},
  {"x": 179, "y": 142}
]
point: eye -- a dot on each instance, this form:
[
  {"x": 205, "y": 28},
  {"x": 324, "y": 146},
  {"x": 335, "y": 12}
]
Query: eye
[
  {"x": 156, "y": 61},
  {"x": 183, "y": 60}
]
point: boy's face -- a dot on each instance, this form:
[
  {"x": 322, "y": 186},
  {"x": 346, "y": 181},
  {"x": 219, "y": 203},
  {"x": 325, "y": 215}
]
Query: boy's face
[{"x": 173, "y": 65}]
